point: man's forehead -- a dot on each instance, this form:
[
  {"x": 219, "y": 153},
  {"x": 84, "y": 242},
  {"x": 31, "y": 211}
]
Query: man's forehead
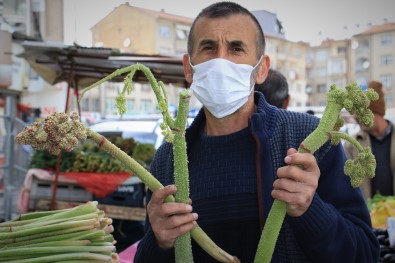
[{"x": 231, "y": 28}]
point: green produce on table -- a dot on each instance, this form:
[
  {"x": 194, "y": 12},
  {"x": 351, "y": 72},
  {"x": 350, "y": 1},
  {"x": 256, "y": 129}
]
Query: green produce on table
[
  {"x": 81, "y": 234},
  {"x": 88, "y": 157}
]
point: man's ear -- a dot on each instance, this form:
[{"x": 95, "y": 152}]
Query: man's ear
[
  {"x": 187, "y": 68},
  {"x": 263, "y": 70}
]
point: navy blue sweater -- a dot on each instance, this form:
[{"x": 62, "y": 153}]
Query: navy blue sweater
[{"x": 336, "y": 227}]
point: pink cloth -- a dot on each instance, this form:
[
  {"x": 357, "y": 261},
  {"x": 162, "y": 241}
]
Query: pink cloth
[{"x": 127, "y": 256}]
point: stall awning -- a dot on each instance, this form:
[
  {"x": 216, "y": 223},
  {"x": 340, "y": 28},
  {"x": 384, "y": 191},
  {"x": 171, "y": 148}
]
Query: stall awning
[{"x": 86, "y": 65}]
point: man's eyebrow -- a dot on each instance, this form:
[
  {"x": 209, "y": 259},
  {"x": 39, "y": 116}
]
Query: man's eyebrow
[
  {"x": 236, "y": 43},
  {"x": 206, "y": 41}
]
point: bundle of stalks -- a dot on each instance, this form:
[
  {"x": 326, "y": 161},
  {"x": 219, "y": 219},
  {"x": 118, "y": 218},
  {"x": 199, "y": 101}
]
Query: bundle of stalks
[{"x": 78, "y": 234}]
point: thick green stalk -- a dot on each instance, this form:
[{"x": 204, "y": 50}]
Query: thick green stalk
[
  {"x": 353, "y": 99},
  {"x": 182, "y": 246}
]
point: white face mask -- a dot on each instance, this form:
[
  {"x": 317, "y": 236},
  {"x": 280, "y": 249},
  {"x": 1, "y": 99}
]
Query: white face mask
[{"x": 222, "y": 86}]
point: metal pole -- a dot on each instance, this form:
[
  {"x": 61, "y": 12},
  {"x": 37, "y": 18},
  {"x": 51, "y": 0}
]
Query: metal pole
[{"x": 9, "y": 180}]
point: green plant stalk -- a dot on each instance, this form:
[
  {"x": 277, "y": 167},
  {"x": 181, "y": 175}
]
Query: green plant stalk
[
  {"x": 79, "y": 256},
  {"x": 335, "y": 103},
  {"x": 48, "y": 222},
  {"x": 34, "y": 215},
  {"x": 348, "y": 138},
  {"x": 36, "y": 251},
  {"x": 53, "y": 234},
  {"x": 53, "y": 237},
  {"x": 63, "y": 225},
  {"x": 60, "y": 243},
  {"x": 26, "y": 218},
  {"x": 277, "y": 213},
  {"x": 182, "y": 246}
]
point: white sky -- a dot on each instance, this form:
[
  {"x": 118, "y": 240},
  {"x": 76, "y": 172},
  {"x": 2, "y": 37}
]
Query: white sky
[{"x": 303, "y": 20}]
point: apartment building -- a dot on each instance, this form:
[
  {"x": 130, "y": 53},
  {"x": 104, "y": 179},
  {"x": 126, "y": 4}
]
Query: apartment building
[
  {"x": 373, "y": 58},
  {"x": 36, "y": 20},
  {"x": 140, "y": 31},
  {"x": 327, "y": 64}
]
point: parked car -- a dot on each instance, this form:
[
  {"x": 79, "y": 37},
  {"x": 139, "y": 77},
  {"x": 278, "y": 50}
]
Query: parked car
[{"x": 144, "y": 131}]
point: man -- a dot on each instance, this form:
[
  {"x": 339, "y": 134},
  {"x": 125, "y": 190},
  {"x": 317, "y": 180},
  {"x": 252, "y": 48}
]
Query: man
[
  {"x": 241, "y": 155},
  {"x": 381, "y": 139},
  {"x": 275, "y": 89}
]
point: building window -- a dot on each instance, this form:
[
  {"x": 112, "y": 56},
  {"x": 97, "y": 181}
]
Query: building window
[
  {"x": 182, "y": 32},
  {"x": 164, "y": 31},
  {"x": 321, "y": 55},
  {"x": 309, "y": 89},
  {"x": 321, "y": 72},
  {"x": 341, "y": 50},
  {"x": 110, "y": 106},
  {"x": 386, "y": 79},
  {"x": 146, "y": 88},
  {"x": 340, "y": 83},
  {"x": 363, "y": 44},
  {"x": 84, "y": 104},
  {"x": 95, "y": 105},
  {"x": 386, "y": 40},
  {"x": 129, "y": 106},
  {"x": 321, "y": 88},
  {"x": 388, "y": 99},
  {"x": 362, "y": 64},
  {"x": 337, "y": 67},
  {"x": 145, "y": 106},
  {"x": 386, "y": 59},
  {"x": 322, "y": 103}
]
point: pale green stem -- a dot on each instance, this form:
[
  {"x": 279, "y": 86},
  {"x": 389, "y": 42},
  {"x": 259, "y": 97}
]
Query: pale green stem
[
  {"x": 350, "y": 139},
  {"x": 80, "y": 256},
  {"x": 54, "y": 234},
  {"x": 63, "y": 225},
  {"x": 182, "y": 246}
]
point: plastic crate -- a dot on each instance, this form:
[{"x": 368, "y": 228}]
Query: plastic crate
[
  {"x": 66, "y": 191},
  {"x": 131, "y": 193}
]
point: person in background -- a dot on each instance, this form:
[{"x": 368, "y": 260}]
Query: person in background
[
  {"x": 275, "y": 89},
  {"x": 381, "y": 139},
  {"x": 311, "y": 112},
  {"x": 242, "y": 155}
]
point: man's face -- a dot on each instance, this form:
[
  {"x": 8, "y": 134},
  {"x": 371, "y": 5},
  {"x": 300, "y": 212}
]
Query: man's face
[{"x": 232, "y": 38}]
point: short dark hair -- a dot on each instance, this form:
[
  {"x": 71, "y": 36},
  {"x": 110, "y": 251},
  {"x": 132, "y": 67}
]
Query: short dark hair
[
  {"x": 275, "y": 88},
  {"x": 225, "y": 9}
]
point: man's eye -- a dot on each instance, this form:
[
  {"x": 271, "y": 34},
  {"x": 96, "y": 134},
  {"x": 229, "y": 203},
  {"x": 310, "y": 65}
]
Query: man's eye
[
  {"x": 207, "y": 48},
  {"x": 237, "y": 49}
]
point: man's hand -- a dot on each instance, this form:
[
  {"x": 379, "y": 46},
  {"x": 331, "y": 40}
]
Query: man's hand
[
  {"x": 295, "y": 185},
  {"x": 169, "y": 220}
]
